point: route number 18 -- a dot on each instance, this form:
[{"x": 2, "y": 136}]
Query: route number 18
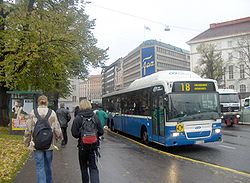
[{"x": 185, "y": 87}]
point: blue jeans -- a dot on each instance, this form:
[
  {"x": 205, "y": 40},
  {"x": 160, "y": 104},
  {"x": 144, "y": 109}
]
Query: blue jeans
[{"x": 43, "y": 166}]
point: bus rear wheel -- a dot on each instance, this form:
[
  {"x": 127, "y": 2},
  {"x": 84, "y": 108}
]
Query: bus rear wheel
[
  {"x": 144, "y": 136},
  {"x": 112, "y": 126}
]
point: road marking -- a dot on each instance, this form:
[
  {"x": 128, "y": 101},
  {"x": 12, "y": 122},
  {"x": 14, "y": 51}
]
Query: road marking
[
  {"x": 185, "y": 158},
  {"x": 228, "y": 147}
]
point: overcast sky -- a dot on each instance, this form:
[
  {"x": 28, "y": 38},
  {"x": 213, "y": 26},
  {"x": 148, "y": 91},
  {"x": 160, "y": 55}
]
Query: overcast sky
[{"x": 120, "y": 24}]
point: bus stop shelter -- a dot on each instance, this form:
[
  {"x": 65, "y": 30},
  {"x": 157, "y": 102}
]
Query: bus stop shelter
[{"x": 21, "y": 103}]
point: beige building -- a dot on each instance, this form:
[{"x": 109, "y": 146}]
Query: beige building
[
  {"x": 231, "y": 38},
  {"x": 91, "y": 88},
  {"x": 72, "y": 100}
]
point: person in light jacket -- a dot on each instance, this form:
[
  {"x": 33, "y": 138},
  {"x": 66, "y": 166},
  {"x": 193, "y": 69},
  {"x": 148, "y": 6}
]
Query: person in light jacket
[{"x": 43, "y": 157}]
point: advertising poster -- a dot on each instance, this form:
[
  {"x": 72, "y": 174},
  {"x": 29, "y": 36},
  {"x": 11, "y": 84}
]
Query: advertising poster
[
  {"x": 21, "y": 109},
  {"x": 148, "y": 61}
]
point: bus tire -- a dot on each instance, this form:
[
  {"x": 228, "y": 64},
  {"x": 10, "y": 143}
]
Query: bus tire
[{"x": 144, "y": 135}]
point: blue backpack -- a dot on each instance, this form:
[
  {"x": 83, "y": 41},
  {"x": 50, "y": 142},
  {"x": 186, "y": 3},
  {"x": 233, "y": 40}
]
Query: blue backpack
[{"x": 42, "y": 134}]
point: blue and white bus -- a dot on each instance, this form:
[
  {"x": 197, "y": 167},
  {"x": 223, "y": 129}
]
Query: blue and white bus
[{"x": 171, "y": 108}]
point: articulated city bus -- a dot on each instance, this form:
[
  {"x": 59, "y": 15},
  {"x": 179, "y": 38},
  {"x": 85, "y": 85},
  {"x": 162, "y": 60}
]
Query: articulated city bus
[{"x": 168, "y": 107}]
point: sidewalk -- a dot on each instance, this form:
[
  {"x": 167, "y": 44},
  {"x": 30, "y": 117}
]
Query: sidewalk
[
  {"x": 66, "y": 168},
  {"x": 65, "y": 165}
]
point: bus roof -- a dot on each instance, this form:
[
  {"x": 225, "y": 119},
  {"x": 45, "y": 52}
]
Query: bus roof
[
  {"x": 226, "y": 91},
  {"x": 160, "y": 78}
]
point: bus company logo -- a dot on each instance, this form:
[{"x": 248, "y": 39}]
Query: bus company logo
[
  {"x": 157, "y": 88},
  {"x": 197, "y": 128},
  {"x": 177, "y": 73},
  {"x": 173, "y": 73}
]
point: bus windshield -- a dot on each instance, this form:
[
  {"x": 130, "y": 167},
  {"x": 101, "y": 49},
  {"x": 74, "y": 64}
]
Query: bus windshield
[
  {"x": 229, "y": 98},
  {"x": 193, "y": 106}
]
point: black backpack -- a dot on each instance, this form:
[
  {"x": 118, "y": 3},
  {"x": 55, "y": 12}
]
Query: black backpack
[
  {"x": 88, "y": 131},
  {"x": 42, "y": 134}
]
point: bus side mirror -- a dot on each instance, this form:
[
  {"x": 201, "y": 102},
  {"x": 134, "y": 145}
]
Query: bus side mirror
[
  {"x": 246, "y": 103},
  {"x": 221, "y": 107}
]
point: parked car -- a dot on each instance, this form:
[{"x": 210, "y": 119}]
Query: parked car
[{"x": 245, "y": 115}]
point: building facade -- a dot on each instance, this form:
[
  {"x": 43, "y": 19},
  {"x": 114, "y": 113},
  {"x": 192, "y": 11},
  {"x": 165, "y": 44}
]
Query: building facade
[
  {"x": 91, "y": 88},
  {"x": 149, "y": 57},
  {"x": 232, "y": 39},
  {"x": 72, "y": 100},
  {"x": 112, "y": 77},
  {"x": 153, "y": 56}
]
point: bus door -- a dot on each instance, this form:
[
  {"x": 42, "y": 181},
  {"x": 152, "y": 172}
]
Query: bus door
[{"x": 158, "y": 119}]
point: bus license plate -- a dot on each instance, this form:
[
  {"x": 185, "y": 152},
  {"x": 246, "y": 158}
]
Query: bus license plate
[{"x": 199, "y": 142}]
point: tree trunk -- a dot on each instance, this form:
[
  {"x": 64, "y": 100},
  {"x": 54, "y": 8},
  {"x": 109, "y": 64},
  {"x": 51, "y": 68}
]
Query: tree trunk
[
  {"x": 4, "y": 110},
  {"x": 4, "y": 118}
]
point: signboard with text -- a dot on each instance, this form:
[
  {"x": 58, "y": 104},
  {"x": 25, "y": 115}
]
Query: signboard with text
[
  {"x": 191, "y": 86},
  {"x": 148, "y": 61}
]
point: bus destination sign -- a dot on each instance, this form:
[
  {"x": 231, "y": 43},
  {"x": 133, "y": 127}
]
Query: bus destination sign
[{"x": 193, "y": 86}]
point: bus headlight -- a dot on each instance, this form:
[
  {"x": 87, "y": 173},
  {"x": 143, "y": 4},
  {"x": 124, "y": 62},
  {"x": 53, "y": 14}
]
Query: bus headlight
[
  {"x": 217, "y": 130},
  {"x": 237, "y": 116},
  {"x": 176, "y": 134}
]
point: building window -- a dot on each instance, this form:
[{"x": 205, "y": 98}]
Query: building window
[
  {"x": 230, "y": 56},
  {"x": 229, "y": 44},
  {"x": 242, "y": 72},
  {"x": 241, "y": 55},
  {"x": 231, "y": 71},
  {"x": 218, "y": 45},
  {"x": 242, "y": 88},
  {"x": 231, "y": 87},
  {"x": 74, "y": 98}
]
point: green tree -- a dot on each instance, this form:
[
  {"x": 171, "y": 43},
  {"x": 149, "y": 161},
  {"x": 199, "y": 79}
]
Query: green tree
[
  {"x": 4, "y": 10},
  {"x": 47, "y": 44},
  {"x": 242, "y": 50},
  {"x": 211, "y": 63}
]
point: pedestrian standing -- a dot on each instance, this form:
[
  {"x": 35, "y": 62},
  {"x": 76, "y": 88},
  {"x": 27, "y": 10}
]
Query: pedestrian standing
[
  {"x": 64, "y": 117},
  {"x": 42, "y": 147},
  {"x": 87, "y": 152},
  {"x": 102, "y": 115}
]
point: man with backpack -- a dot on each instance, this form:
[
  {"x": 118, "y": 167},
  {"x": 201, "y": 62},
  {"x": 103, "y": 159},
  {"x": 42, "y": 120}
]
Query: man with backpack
[
  {"x": 63, "y": 117},
  {"x": 87, "y": 128},
  {"x": 41, "y": 133}
]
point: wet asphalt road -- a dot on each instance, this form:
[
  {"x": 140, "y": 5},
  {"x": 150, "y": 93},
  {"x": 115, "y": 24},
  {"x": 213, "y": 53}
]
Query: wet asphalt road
[
  {"x": 233, "y": 152},
  {"x": 124, "y": 161}
]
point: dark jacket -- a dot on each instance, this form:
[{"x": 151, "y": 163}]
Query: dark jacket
[
  {"x": 77, "y": 123},
  {"x": 76, "y": 111},
  {"x": 63, "y": 116}
]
